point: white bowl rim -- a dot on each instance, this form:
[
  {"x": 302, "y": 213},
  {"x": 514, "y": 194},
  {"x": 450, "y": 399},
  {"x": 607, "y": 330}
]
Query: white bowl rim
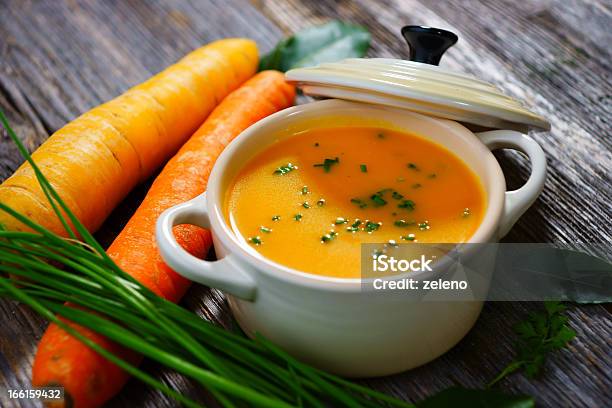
[{"x": 223, "y": 232}]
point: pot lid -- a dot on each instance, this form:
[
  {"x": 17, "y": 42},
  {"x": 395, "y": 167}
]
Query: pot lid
[{"x": 418, "y": 85}]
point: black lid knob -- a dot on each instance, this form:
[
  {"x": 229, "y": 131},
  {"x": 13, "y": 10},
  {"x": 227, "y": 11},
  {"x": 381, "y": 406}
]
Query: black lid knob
[{"x": 427, "y": 44}]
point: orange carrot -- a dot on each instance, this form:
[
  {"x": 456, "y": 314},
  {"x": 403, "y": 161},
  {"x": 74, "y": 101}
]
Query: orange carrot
[
  {"x": 96, "y": 159},
  {"x": 88, "y": 378}
]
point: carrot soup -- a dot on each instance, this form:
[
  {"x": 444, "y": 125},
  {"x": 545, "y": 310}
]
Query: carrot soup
[{"x": 309, "y": 201}]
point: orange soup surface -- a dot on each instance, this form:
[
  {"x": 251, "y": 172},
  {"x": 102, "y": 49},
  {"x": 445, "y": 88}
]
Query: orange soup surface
[{"x": 310, "y": 200}]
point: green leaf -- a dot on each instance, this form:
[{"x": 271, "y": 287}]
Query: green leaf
[
  {"x": 462, "y": 397},
  {"x": 329, "y": 42},
  {"x": 538, "y": 336}
]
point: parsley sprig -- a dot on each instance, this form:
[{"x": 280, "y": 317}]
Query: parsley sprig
[{"x": 539, "y": 335}]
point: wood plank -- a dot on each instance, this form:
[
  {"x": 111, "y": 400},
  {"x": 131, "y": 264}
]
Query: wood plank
[{"x": 130, "y": 42}]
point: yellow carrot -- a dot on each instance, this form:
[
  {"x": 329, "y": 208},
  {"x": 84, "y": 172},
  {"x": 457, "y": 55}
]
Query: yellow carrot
[{"x": 95, "y": 160}]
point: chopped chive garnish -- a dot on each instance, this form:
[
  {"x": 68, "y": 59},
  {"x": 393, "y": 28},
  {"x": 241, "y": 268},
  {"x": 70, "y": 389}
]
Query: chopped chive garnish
[
  {"x": 409, "y": 237},
  {"x": 305, "y": 204},
  {"x": 321, "y": 202},
  {"x": 377, "y": 199},
  {"x": 403, "y": 223},
  {"x": 354, "y": 226},
  {"x": 329, "y": 236},
  {"x": 407, "y": 204},
  {"x": 432, "y": 176},
  {"x": 340, "y": 221},
  {"x": 265, "y": 229},
  {"x": 417, "y": 185},
  {"x": 424, "y": 226},
  {"x": 282, "y": 170},
  {"x": 327, "y": 164},
  {"x": 372, "y": 226},
  {"x": 305, "y": 190},
  {"x": 364, "y": 168},
  {"x": 276, "y": 218},
  {"x": 397, "y": 195},
  {"x": 359, "y": 202},
  {"x": 297, "y": 217},
  {"x": 393, "y": 244},
  {"x": 255, "y": 240},
  {"x": 413, "y": 166}
]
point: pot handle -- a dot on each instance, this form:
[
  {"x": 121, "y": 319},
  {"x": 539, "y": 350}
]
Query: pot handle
[
  {"x": 224, "y": 274},
  {"x": 518, "y": 201}
]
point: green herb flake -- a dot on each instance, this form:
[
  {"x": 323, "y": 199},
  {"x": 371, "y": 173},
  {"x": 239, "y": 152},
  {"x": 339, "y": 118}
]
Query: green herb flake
[
  {"x": 364, "y": 168},
  {"x": 432, "y": 176},
  {"x": 359, "y": 202},
  {"x": 327, "y": 164},
  {"x": 298, "y": 217},
  {"x": 282, "y": 170},
  {"x": 276, "y": 218},
  {"x": 372, "y": 226},
  {"x": 255, "y": 240},
  {"x": 329, "y": 236},
  {"x": 378, "y": 200},
  {"x": 407, "y": 205},
  {"x": 413, "y": 166},
  {"x": 392, "y": 243},
  {"x": 321, "y": 202},
  {"x": 417, "y": 185},
  {"x": 306, "y": 205},
  {"x": 265, "y": 229},
  {"x": 403, "y": 223},
  {"x": 340, "y": 221},
  {"x": 409, "y": 237},
  {"x": 424, "y": 226},
  {"x": 304, "y": 190},
  {"x": 354, "y": 226},
  {"x": 396, "y": 195}
]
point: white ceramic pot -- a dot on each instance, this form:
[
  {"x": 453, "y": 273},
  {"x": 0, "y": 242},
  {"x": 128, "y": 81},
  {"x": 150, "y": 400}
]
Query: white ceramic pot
[{"x": 330, "y": 322}]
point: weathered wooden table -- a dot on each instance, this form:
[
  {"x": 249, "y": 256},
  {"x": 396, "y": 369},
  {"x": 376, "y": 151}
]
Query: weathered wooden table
[{"x": 60, "y": 58}]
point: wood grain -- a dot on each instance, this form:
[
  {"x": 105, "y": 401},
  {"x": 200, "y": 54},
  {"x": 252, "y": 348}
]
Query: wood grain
[{"x": 60, "y": 58}]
